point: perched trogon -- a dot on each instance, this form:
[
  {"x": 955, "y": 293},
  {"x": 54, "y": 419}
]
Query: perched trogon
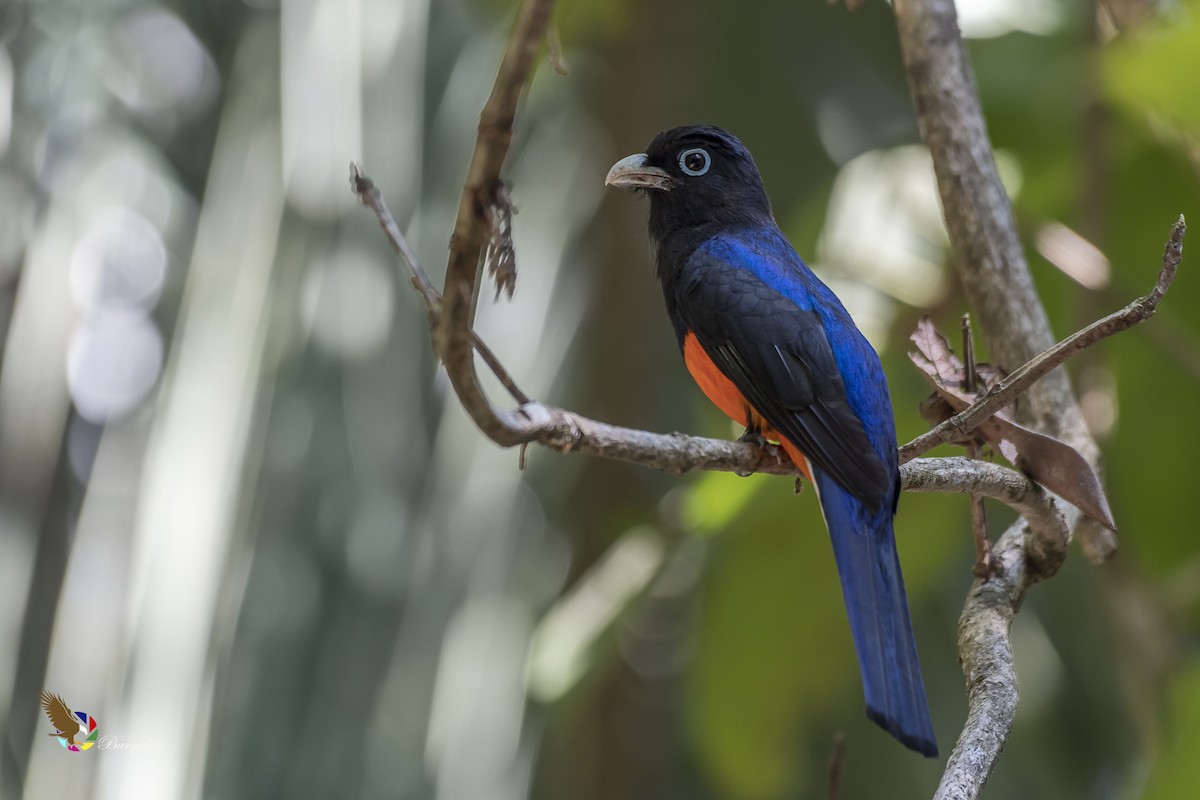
[{"x": 775, "y": 349}]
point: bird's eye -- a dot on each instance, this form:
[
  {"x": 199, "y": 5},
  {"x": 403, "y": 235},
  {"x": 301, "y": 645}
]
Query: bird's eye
[{"x": 695, "y": 161}]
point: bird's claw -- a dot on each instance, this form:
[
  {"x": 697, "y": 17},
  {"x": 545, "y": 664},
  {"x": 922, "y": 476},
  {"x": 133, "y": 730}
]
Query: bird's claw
[
  {"x": 754, "y": 437},
  {"x": 761, "y": 452}
]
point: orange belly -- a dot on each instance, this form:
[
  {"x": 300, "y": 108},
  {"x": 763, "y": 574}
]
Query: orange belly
[{"x": 725, "y": 396}]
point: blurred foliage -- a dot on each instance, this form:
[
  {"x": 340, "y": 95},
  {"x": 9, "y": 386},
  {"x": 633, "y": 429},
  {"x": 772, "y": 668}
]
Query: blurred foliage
[{"x": 375, "y": 601}]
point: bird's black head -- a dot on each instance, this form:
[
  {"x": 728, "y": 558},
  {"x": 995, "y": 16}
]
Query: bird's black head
[{"x": 697, "y": 177}]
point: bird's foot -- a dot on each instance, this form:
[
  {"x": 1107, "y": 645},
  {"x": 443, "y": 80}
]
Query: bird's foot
[
  {"x": 762, "y": 453},
  {"x": 754, "y": 437}
]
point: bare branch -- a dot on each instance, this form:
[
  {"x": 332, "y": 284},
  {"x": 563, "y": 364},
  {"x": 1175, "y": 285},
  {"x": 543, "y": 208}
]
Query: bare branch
[
  {"x": 987, "y": 662},
  {"x": 979, "y": 217},
  {"x": 983, "y": 547},
  {"x": 1007, "y": 390},
  {"x": 1019, "y": 560},
  {"x": 968, "y": 475},
  {"x": 472, "y": 228},
  {"x": 369, "y": 194},
  {"x": 554, "y": 44},
  {"x": 1028, "y": 552},
  {"x": 996, "y": 278},
  {"x": 677, "y": 453},
  {"x": 837, "y": 762},
  {"x": 497, "y": 368}
]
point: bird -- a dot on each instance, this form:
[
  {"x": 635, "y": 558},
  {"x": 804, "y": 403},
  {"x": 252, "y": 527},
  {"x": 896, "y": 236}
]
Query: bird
[
  {"x": 774, "y": 349},
  {"x": 62, "y": 718}
]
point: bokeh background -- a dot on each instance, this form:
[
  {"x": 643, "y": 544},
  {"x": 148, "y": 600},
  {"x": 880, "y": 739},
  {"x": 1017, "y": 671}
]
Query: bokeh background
[{"x": 244, "y": 524}]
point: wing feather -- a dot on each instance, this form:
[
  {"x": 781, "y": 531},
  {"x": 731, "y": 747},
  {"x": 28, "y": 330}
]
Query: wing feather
[
  {"x": 779, "y": 357},
  {"x": 61, "y": 717}
]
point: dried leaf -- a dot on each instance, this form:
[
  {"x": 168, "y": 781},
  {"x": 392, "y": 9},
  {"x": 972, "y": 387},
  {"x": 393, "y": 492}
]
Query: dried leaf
[
  {"x": 500, "y": 255},
  {"x": 1048, "y": 461},
  {"x": 934, "y": 356},
  {"x": 1052, "y": 463},
  {"x": 935, "y": 410},
  {"x": 989, "y": 375}
]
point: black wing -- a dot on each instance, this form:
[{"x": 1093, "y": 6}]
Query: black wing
[{"x": 779, "y": 358}]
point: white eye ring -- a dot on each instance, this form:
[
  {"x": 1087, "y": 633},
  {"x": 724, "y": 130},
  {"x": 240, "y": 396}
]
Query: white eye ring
[{"x": 688, "y": 154}]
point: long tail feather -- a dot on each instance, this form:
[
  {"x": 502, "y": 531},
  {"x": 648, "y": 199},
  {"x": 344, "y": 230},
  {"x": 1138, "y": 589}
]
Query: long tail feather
[{"x": 873, "y": 590}]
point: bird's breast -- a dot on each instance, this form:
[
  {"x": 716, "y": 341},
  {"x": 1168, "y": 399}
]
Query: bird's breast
[{"x": 716, "y": 387}]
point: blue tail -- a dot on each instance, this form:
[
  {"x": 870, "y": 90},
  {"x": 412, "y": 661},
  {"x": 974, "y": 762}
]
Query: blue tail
[{"x": 873, "y": 590}]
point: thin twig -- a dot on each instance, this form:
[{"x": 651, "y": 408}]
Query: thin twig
[
  {"x": 1011, "y": 387},
  {"x": 371, "y": 197},
  {"x": 497, "y": 368},
  {"x": 983, "y": 548},
  {"x": 554, "y": 42},
  {"x": 837, "y": 762},
  {"x": 983, "y": 551},
  {"x": 968, "y": 350},
  {"x": 369, "y": 194},
  {"x": 675, "y": 453}
]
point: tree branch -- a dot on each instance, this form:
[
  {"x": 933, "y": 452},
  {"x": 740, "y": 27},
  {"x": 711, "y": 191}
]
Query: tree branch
[
  {"x": 1006, "y": 391},
  {"x": 471, "y": 228},
  {"x": 676, "y": 453},
  {"x": 368, "y": 193},
  {"x": 963, "y": 475},
  {"x": 998, "y": 284},
  {"x": 979, "y": 218},
  {"x": 996, "y": 278}
]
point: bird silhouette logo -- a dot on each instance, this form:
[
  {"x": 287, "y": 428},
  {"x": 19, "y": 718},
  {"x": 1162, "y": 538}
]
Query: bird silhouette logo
[{"x": 75, "y": 730}]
